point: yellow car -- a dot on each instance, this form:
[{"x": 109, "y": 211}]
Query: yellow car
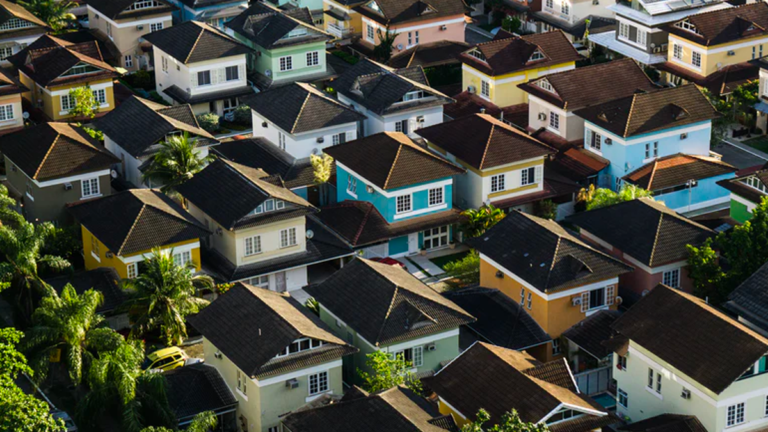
[{"x": 165, "y": 359}]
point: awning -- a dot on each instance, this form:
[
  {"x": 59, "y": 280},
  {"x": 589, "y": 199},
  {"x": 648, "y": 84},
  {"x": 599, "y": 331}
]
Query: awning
[{"x": 762, "y": 107}]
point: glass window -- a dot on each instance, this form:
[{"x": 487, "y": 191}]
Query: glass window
[
  {"x": 595, "y": 141},
  {"x": 100, "y": 96},
  {"x": 497, "y": 183},
  {"x": 435, "y": 237},
  {"x": 436, "y": 196},
  {"x": 153, "y": 27},
  {"x": 735, "y": 415},
  {"x": 129, "y": 61},
  {"x": 260, "y": 281},
  {"x": 352, "y": 185},
  {"x": 288, "y": 237},
  {"x": 565, "y": 8},
  {"x": 528, "y": 176},
  {"x": 672, "y": 278},
  {"x": 677, "y": 51},
  {"x": 696, "y": 59},
  {"x": 650, "y": 378},
  {"x": 15, "y": 23},
  {"x": 90, "y": 187},
  {"x": 281, "y": 140},
  {"x": 132, "y": 270},
  {"x": 318, "y": 383},
  {"x": 597, "y": 298},
  {"x": 313, "y": 58},
  {"x": 550, "y": 4},
  {"x": 545, "y": 85},
  {"x": 204, "y": 78},
  {"x": 233, "y": 73},
  {"x": 555, "y": 346},
  {"x": 252, "y": 245},
  {"x": 369, "y": 33},
  {"x": 623, "y": 30},
  {"x": 554, "y": 120},
  {"x": 286, "y": 63},
  {"x": 182, "y": 258},
  {"x": 339, "y": 138},
  {"x": 623, "y": 398},
  {"x": 6, "y": 112},
  {"x": 402, "y": 126},
  {"x": 658, "y": 383},
  {"x": 485, "y": 88},
  {"x": 403, "y": 203}
]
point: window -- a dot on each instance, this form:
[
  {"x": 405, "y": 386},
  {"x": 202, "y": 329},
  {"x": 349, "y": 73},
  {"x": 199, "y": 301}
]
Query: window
[
  {"x": 642, "y": 37},
  {"x": 402, "y": 126},
  {"x": 565, "y": 8},
  {"x": 252, "y": 245},
  {"x": 204, "y": 78},
  {"x": 522, "y": 296},
  {"x": 672, "y": 278},
  {"x": 15, "y": 23},
  {"x": 164, "y": 61},
  {"x": 339, "y": 138},
  {"x": 696, "y": 59},
  {"x": 6, "y": 51},
  {"x": 595, "y": 140},
  {"x": 288, "y": 237},
  {"x": 528, "y": 176},
  {"x": 554, "y": 121},
  {"x": 435, "y": 237},
  {"x": 286, "y": 63},
  {"x": 555, "y": 346},
  {"x": 648, "y": 153},
  {"x": 241, "y": 380},
  {"x": 436, "y": 196},
  {"x": 129, "y": 61},
  {"x": 403, "y": 204},
  {"x": 597, "y": 298},
  {"x": 6, "y": 112},
  {"x": 417, "y": 37},
  {"x": 90, "y": 187},
  {"x": 658, "y": 383},
  {"x": 677, "y": 51},
  {"x": 230, "y": 105},
  {"x": 623, "y": 30},
  {"x": 144, "y": 4},
  {"x": 132, "y": 270},
  {"x": 413, "y": 96},
  {"x": 650, "y": 378},
  {"x": 497, "y": 183},
  {"x": 478, "y": 55},
  {"x": 766, "y": 406},
  {"x": 369, "y": 33},
  {"x": 153, "y": 27},
  {"x": 109, "y": 29},
  {"x": 686, "y": 25},
  {"x": 313, "y": 58},
  {"x": 485, "y": 88},
  {"x": 300, "y": 345},
  {"x": 95, "y": 246},
  {"x": 414, "y": 355},
  {"x": 530, "y": 300},
  {"x": 544, "y": 84},
  {"x": 100, "y": 96},
  {"x": 274, "y": 429},
  {"x": 550, "y": 4},
  {"x": 352, "y": 185},
  {"x": 260, "y": 281},
  {"x": 318, "y": 383},
  {"x": 735, "y": 415},
  {"x": 232, "y": 73},
  {"x": 621, "y": 362},
  {"x": 623, "y": 398},
  {"x": 281, "y": 140},
  {"x": 182, "y": 259},
  {"x": 410, "y": 42},
  {"x": 537, "y": 55},
  {"x": 67, "y": 102}
]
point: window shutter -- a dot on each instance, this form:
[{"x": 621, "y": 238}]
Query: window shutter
[
  {"x": 610, "y": 294},
  {"x": 351, "y": 135},
  {"x": 194, "y": 79},
  {"x": 585, "y": 301},
  {"x": 539, "y": 173},
  {"x": 241, "y": 72}
]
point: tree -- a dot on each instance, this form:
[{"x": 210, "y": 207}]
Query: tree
[
  {"x": 388, "y": 371},
  {"x": 85, "y": 104},
  {"x": 546, "y": 209},
  {"x": 511, "y": 24},
  {"x": 163, "y": 295},
  {"x": 176, "y": 162},
  {"x": 465, "y": 270},
  {"x": 602, "y": 197},
  {"x": 510, "y": 422},
  {"x": 322, "y": 167},
  {"x": 477, "y": 222},
  {"x": 383, "y": 51},
  {"x": 202, "y": 422},
  {"x": 55, "y": 13}
]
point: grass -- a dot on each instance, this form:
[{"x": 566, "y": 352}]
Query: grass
[
  {"x": 445, "y": 259},
  {"x": 759, "y": 143},
  {"x": 233, "y": 126}
]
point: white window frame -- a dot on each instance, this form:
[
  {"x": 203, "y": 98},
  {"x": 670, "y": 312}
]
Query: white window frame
[
  {"x": 90, "y": 187},
  {"x": 252, "y": 245},
  {"x": 100, "y": 96},
  {"x": 67, "y": 102},
  {"x": 595, "y": 141},
  {"x": 182, "y": 258},
  {"x": 498, "y": 183},
  {"x": 556, "y": 348},
  {"x": 436, "y": 196},
  {"x": 528, "y": 176},
  {"x": 352, "y": 186},
  {"x": 416, "y": 352},
  {"x": 565, "y": 8},
  {"x": 288, "y": 238},
  {"x": 281, "y": 140},
  {"x": 260, "y": 281},
  {"x": 670, "y": 276},
  {"x": 732, "y": 415},
  {"x": 128, "y": 61},
  {"x": 313, "y": 58},
  {"x": 286, "y": 63},
  {"x": 442, "y": 238},
  {"x": 554, "y": 121},
  {"x": 625, "y": 396},
  {"x": 153, "y": 27},
  {"x": 696, "y": 59},
  {"x": 370, "y": 34},
  {"x": 203, "y": 73},
  {"x": 485, "y": 88},
  {"x": 403, "y": 204},
  {"x": 6, "y": 112},
  {"x": 236, "y": 73},
  {"x": 677, "y": 51},
  {"x": 132, "y": 270},
  {"x": 320, "y": 378}
]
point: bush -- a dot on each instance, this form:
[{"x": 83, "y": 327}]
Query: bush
[
  {"x": 349, "y": 58},
  {"x": 466, "y": 271},
  {"x": 209, "y": 122},
  {"x": 143, "y": 79},
  {"x": 243, "y": 115}
]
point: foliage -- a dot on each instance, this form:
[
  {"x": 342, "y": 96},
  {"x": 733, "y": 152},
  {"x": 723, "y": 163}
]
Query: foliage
[
  {"x": 313, "y": 306},
  {"x": 349, "y": 58},
  {"x": 546, "y": 209},
  {"x": 85, "y": 104},
  {"x": 466, "y": 270},
  {"x": 176, "y": 161},
  {"x": 602, "y": 197},
  {"x": 163, "y": 295},
  {"x": 63, "y": 241},
  {"x": 142, "y": 79},
  {"x": 243, "y": 115},
  {"x": 511, "y": 24},
  {"x": 9, "y": 216},
  {"x": 222, "y": 288},
  {"x": 388, "y": 371},
  {"x": 652, "y": 73},
  {"x": 322, "y": 166},
  {"x": 736, "y": 108},
  {"x": 55, "y": 13},
  {"x": 383, "y": 51},
  {"x": 93, "y": 133},
  {"x": 705, "y": 272},
  {"x": 477, "y": 222},
  {"x": 209, "y": 122},
  {"x": 510, "y": 422},
  {"x": 202, "y": 422}
]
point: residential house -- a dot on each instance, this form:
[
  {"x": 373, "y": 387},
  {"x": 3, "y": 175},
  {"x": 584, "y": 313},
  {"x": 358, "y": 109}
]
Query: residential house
[
  {"x": 706, "y": 46},
  {"x": 261, "y": 233},
  {"x": 201, "y": 66},
  {"x": 126, "y": 23},
  {"x": 560, "y": 279},
  {"x": 762, "y": 105},
  {"x": 671, "y": 422},
  {"x": 133, "y": 132},
  {"x": 51, "y": 67},
  {"x": 380, "y": 307},
  {"x": 395, "y": 198},
  {"x": 576, "y": 18},
  {"x": 196, "y": 388},
  {"x": 393, "y": 100},
  {"x": 107, "y": 282},
  {"x": 215, "y": 13},
  {"x": 505, "y": 167},
  {"x": 302, "y": 120},
  {"x": 274, "y": 354},
  {"x": 442, "y": 53},
  {"x": 121, "y": 230},
  {"x": 11, "y": 111},
  {"x": 666, "y": 130},
  {"x": 286, "y": 45},
  {"x": 499, "y": 380},
  {"x": 53, "y": 164},
  {"x": 748, "y": 301},
  {"x": 642, "y": 32},
  {"x": 747, "y": 190},
  {"x": 590, "y": 360},
  {"x": 678, "y": 354},
  {"x": 650, "y": 237},
  {"x": 397, "y": 409},
  {"x": 18, "y": 28}
]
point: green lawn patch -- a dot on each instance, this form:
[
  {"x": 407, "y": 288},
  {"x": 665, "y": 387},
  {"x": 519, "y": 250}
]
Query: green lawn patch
[
  {"x": 445, "y": 259},
  {"x": 759, "y": 143}
]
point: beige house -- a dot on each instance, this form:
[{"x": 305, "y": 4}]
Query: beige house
[
  {"x": 10, "y": 103},
  {"x": 18, "y": 28}
]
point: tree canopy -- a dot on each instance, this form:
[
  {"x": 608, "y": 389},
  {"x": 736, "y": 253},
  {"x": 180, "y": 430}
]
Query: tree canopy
[
  {"x": 602, "y": 197},
  {"x": 510, "y": 422}
]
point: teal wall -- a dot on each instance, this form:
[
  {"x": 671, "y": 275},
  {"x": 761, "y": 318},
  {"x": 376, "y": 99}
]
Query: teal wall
[{"x": 398, "y": 245}]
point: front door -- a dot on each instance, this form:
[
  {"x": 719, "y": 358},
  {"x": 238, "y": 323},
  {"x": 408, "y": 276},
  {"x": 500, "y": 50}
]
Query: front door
[
  {"x": 413, "y": 243},
  {"x": 280, "y": 285}
]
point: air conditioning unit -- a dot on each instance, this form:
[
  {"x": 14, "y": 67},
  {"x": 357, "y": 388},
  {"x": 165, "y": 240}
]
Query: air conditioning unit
[
  {"x": 420, "y": 119},
  {"x": 67, "y": 186},
  {"x": 109, "y": 254},
  {"x": 472, "y": 89},
  {"x": 731, "y": 53},
  {"x": 399, "y": 47},
  {"x": 443, "y": 27},
  {"x": 139, "y": 27},
  {"x": 542, "y": 116},
  {"x": 369, "y": 189},
  {"x": 430, "y": 347},
  {"x": 320, "y": 140},
  {"x": 576, "y": 301},
  {"x": 500, "y": 274},
  {"x": 683, "y": 136},
  {"x": 608, "y": 141},
  {"x": 264, "y": 124},
  {"x": 292, "y": 383},
  {"x": 685, "y": 394},
  {"x": 217, "y": 354}
]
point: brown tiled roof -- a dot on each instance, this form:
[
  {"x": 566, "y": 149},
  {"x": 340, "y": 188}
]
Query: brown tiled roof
[
  {"x": 483, "y": 142},
  {"x": 509, "y": 55},
  {"x": 703, "y": 343},
  {"x": 9, "y": 84},
  {"x": 54, "y": 150},
  {"x": 676, "y": 170},
  {"x": 568, "y": 87},
  {"x": 666, "y": 423},
  {"x": 192, "y": 42},
  {"x": 13, "y": 10},
  {"x": 649, "y": 112},
  {"x": 432, "y": 54},
  {"x": 725, "y": 25},
  {"x": 391, "y": 160},
  {"x": 578, "y": 163},
  {"x": 467, "y": 103},
  {"x": 738, "y": 187},
  {"x": 406, "y": 11},
  {"x": 722, "y": 82},
  {"x": 590, "y": 332}
]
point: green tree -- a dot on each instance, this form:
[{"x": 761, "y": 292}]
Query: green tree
[
  {"x": 322, "y": 168},
  {"x": 465, "y": 270},
  {"x": 602, "y": 197},
  {"x": 177, "y": 161},
  {"x": 85, "y": 104},
  {"x": 477, "y": 222},
  {"x": 383, "y": 51},
  {"x": 546, "y": 209},
  {"x": 202, "y": 422},
  {"x": 388, "y": 371},
  {"x": 55, "y": 13},
  {"x": 511, "y": 24},
  {"x": 163, "y": 295},
  {"x": 510, "y": 422}
]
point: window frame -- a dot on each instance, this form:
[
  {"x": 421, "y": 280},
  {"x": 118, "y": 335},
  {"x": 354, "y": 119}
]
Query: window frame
[
  {"x": 235, "y": 73},
  {"x": 288, "y": 238},
  {"x": 554, "y": 121},
  {"x": 673, "y": 274},
  {"x": 621, "y": 393},
  {"x": 313, "y": 58},
  {"x": 255, "y": 247},
  {"x": 286, "y": 63},
  {"x": 696, "y": 59},
  {"x": 89, "y": 184},
  {"x": 320, "y": 377},
  {"x": 132, "y": 270},
  {"x": 528, "y": 176},
  {"x": 204, "y": 73},
  {"x": 433, "y": 193},
  {"x": 7, "y": 112},
  {"x": 485, "y": 88},
  {"x": 498, "y": 183},
  {"x": 406, "y": 199},
  {"x": 736, "y": 407}
]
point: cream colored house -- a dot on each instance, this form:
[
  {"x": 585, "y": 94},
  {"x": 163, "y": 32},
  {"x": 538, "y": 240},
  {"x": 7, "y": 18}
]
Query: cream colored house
[
  {"x": 11, "y": 118},
  {"x": 18, "y": 28}
]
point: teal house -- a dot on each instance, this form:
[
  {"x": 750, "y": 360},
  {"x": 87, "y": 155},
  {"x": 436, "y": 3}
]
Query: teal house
[
  {"x": 379, "y": 307},
  {"x": 212, "y": 12},
  {"x": 394, "y": 198}
]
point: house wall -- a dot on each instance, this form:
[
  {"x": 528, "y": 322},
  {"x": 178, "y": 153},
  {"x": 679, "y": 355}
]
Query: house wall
[
  {"x": 503, "y": 88},
  {"x": 186, "y": 13},
  {"x": 304, "y": 144},
  {"x": 11, "y": 39},
  {"x": 654, "y": 35},
  {"x": 17, "y": 120},
  {"x": 270, "y": 60},
  {"x": 429, "y": 31},
  {"x": 355, "y": 22},
  {"x": 741, "y": 208},
  {"x": 706, "y": 194},
  {"x": 375, "y": 123},
  {"x": 49, "y": 99},
  {"x": 575, "y": 11},
  {"x": 571, "y": 126},
  {"x": 313, "y": 5},
  {"x": 715, "y": 55}
]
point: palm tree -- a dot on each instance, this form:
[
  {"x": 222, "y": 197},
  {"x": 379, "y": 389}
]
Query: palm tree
[
  {"x": 176, "y": 162},
  {"x": 163, "y": 295},
  {"x": 481, "y": 220},
  {"x": 202, "y": 422},
  {"x": 383, "y": 51},
  {"x": 55, "y": 13}
]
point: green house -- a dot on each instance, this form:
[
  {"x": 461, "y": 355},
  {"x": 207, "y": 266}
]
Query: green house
[{"x": 748, "y": 189}]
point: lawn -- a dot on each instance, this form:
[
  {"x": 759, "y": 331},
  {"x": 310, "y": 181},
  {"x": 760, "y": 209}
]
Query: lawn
[
  {"x": 759, "y": 143},
  {"x": 445, "y": 259}
]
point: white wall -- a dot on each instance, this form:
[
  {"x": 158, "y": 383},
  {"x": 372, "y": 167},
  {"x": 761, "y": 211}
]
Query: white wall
[
  {"x": 130, "y": 169},
  {"x": 376, "y": 124},
  {"x": 181, "y": 75},
  {"x": 301, "y": 145}
]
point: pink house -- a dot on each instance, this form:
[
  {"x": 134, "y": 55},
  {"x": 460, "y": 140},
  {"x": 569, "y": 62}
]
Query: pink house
[{"x": 648, "y": 236}]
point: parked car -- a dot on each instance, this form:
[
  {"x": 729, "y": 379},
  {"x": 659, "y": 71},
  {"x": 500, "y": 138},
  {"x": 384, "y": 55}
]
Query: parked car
[
  {"x": 389, "y": 261},
  {"x": 165, "y": 359}
]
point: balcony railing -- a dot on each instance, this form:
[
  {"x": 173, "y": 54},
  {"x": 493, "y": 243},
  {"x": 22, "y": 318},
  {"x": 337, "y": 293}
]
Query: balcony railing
[{"x": 340, "y": 32}]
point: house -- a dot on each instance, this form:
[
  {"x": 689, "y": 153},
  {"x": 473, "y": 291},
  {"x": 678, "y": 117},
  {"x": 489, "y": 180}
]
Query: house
[
  {"x": 215, "y": 13},
  {"x": 274, "y": 354},
  {"x": 667, "y": 130},
  {"x": 380, "y": 307},
  {"x": 505, "y": 167},
  {"x": 590, "y": 359},
  {"x": 397, "y": 409},
  {"x": 286, "y": 45},
  {"x": 302, "y": 120},
  {"x": 748, "y": 301},
  {"x": 677, "y": 354},
  {"x": 393, "y": 100},
  {"x": 403, "y": 190},
  {"x": 702, "y": 45},
  {"x": 642, "y": 33},
  {"x": 669, "y": 422},
  {"x": 650, "y": 237},
  {"x": 576, "y": 18},
  {"x": 552, "y": 99},
  {"x": 201, "y": 66},
  {"x": 51, "y": 67},
  {"x": 499, "y": 379},
  {"x": 762, "y": 106},
  {"x": 11, "y": 111},
  {"x": 560, "y": 278},
  {"x": 434, "y": 54},
  {"x": 747, "y": 191},
  {"x": 121, "y": 230},
  {"x": 107, "y": 282},
  {"x": 18, "y": 28},
  {"x": 261, "y": 233},
  {"x": 197, "y": 388},
  {"x": 53, "y": 164},
  {"x": 126, "y": 23},
  {"x": 133, "y": 132}
]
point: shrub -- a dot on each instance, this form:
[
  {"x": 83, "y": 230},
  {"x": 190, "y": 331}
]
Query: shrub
[
  {"x": 209, "y": 122},
  {"x": 143, "y": 79},
  {"x": 243, "y": 115}
]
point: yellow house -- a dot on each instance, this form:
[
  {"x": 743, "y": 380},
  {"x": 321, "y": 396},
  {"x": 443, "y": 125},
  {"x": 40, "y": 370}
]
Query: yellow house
[
  {"x": 120, "y": 230},
  {"x": 708, "y": 47},
  {"x": 557, "y": 277},
  {"x": 492, "y": 70},
  {"x": 341, "y": 20},
  {"x": 50, "y": 67},
  {"x": 11, "y": 119}
]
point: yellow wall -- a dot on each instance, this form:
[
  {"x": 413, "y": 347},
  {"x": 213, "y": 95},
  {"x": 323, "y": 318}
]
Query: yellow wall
[
  {"x": 51, "y": 105},
  {"x": 507, "y": 93},
  {"x": 18, "y": 120},
  {"x": 446, "y": 410},
  {"x": 710, "y": 59},
  {"x": 355, "y": 22}
]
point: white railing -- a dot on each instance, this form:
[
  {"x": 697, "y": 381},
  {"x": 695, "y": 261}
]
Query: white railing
[
  {"x": 594, "y": 381},
  {"x": 339, "y": 32}
]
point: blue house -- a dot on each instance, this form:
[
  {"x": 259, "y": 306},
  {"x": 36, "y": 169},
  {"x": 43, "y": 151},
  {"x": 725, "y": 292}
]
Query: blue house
[
  {"x": 212, "y": 12},
  {"x": 659, "y": 140},
  {"x": 394, "y": 197}
]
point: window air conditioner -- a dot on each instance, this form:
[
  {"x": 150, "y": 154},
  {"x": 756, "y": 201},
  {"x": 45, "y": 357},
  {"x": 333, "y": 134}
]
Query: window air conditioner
[
  {"x": 443, "y": 27},
  {"x": 430, "y": 347},
  {"x": 731, "y": 53},
  {"x": 683, "y": 136},
  {"x": 139, "y": 27},
  {"x": 292, "y": 383},
  {"x": 471, "y": 89},
  {"x": 608, "y": 141},
  {"x": 685, "y": 394},
  {"x": 67, "y": 186},
  {"x": 542, "y": 116},
  {"x": 576, "y": 301}
]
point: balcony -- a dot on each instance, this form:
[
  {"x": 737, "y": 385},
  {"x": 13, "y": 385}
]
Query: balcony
[{"x": 340, "y": 32}]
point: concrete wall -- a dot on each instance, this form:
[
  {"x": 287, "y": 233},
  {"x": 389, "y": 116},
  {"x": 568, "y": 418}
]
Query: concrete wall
[
  {"x": 49, "y": 99},
  {"x": 429, "y": 30},
  {"x": 375, "y": 123},
  {"x": 705, "y": 194},
  {"x": 304, "y": 144},
  {"x": 270, "y": 60},
  {"x": 571, "y": 127}
]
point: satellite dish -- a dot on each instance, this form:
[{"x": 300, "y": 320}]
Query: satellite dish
[
  {"x": 113, "y": 173},
  {"x": 400, "y": 46},
  {"x": 268, "y": 73},
  {"x": 25, "y": 115},
  {"x": 310, "y": 234}
]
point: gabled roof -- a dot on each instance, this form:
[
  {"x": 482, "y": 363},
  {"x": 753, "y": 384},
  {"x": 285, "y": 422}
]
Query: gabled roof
[
  {"x": 10, "y": 84},
  {"x": 725, "y": 25},
  {"x": 117, "y": 9},
  {"x": 544, "y": 254},
  {"x": 750, "y": 299},
  {"x": 627, "y": 78},
  {"x": 578, "y": 163},
  {"x": 721, "y": 82},
  {"x": 590, "y": 332},
  {"x": 391, "y": 160},
  {"x": 9, "y": 10},
  {"x": 54, "y": 150},
  {"x": 693, "y": 337},
  {"x": 103, "y": 279},
  {"x": 407, "y": 11},
  {"x": 431, "y": 54},
  {"x": 251, "y": 326},
  {"x": 499, "y": 380},
  {"x": 229, "y": 192},
  {"x": 193, "y": 41},
  {"x": 267, "y": 26},
  {"x": 483, "y": 142},
  {"x": 137, "y": 125},
  {"x": 197, "y": 388},
  {"x": 676, "y": 170},
  {"x": 644, "y": 229},
  {"x": 652, "y": 111},
  {"x": 137, "y": 220},
  {"x": 666, "y": 423},
  {"x": 513, "y": 54},
  {"x": 739, "y": 186},
  {"x": 385, "y": 304},
  {"x": 300, "y": 107}
]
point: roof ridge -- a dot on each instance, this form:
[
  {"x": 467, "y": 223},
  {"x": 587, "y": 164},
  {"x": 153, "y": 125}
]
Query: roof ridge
[
  {"x": 554, "y": 259},
  {"x": 135, "y": 222},
  {"x": 301, "y": 110},
  {"x": 487, "y": 145},
  {"x": 389, "y": 309},
  {"x": 50, "y": 149},
  {"x": 394, "y": 163},
  {"x": 656, "y": 237},
  {"x": 653, "y": 172},
  {"x": 192, "y": 50},
  {"x": 629, "y": 115},
  {"x": 363, "y": 223}
]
